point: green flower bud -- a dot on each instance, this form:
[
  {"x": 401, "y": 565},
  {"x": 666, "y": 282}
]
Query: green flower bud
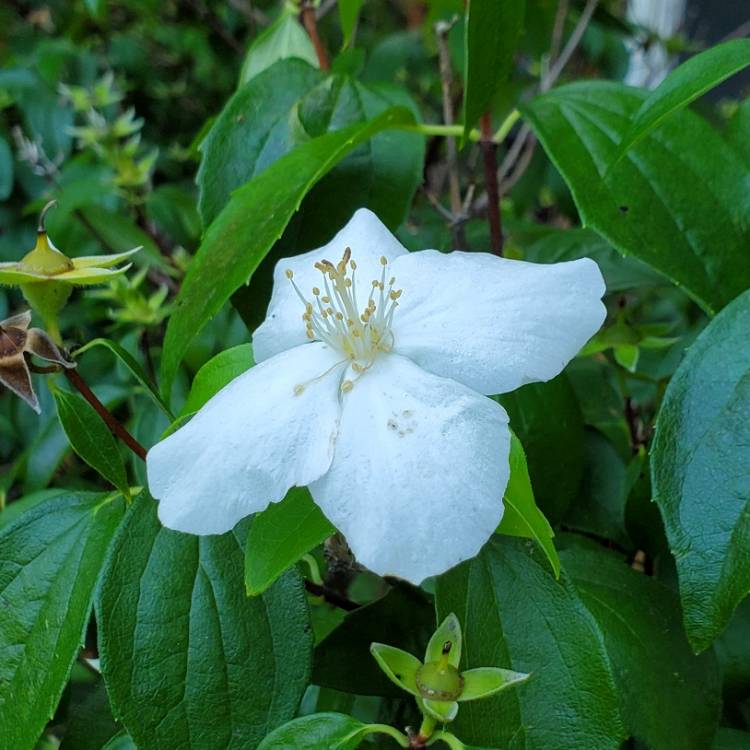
[
  {"x": 437, "y": 684},
  {"x": 47, "y": 276}
]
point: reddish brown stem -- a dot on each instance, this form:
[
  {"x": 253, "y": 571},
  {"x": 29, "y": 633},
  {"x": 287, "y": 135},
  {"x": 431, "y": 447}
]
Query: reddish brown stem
[
  {"x": 115, "y": 427},
  {"x": 311, "y": 25},
  {"x": 489, "y": 154}
]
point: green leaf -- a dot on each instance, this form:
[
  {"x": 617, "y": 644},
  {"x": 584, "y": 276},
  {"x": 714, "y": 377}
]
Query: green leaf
[
  {"x": 699, "y": 463},
  {"x": 493, "y": 30},
  {"x": 121, "y": 741},
  {"x": 18, "y": 507},
  {"x": 283, "y": 39},
  {"x": 301, "y": 103},
  {"x": 245, "y": 138},
  {"x": 90, "y": 723},
  {"x": 554, "y": 447},
  {"x": 218, "y": 372},
  {"x": 244, "y": 232},
  {"x": 348, "y": 15},
  {"x": 738, "y": 131},
  {"x": 535, "y": 624},
  {"x": 669, "y": 698},
  {"x": 189, "y": 662},
  {"x": 733, "y": 651},
  {"x": 280, "y": 536},
  {"x": 606, "y": 485},
  {"x": 522, "y": 517},
  {"x": 646, "y": 205},
  {"x": 132, "y": 365},
  {"x": 404, "y": 618},
  {"x": 731, "y": 739},
  {"x": 90, "y": 438},
  {"x": 317, "y": 732},
  {"x": 685, "y": 84},
  {"x": 50, "y": 560}
]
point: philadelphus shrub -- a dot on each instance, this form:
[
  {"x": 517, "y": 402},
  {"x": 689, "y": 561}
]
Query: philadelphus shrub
[{"x": 374, "y": 365}]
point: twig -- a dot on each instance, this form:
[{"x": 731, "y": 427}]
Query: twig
[
  {"x": 489, "y": 155},
  {"x": 741, "y": 31},
  {"x": 117, "y": 429},
  {"x": 337, "y": 600},
  {"x": 558, "y": 29},
  {"x": 325, "y": 8},
  {"x": 454, "y": 183},
  {"x": 520, "y": 166},
  {"x": 580, "y": 29},
  {"x": 524, "y": 144},
  {"x": 437, "y": 205},
  {"x": 310, "y": 24},
  {"x": 207, "y": 15},
  {"x": 254, "y": 16}
]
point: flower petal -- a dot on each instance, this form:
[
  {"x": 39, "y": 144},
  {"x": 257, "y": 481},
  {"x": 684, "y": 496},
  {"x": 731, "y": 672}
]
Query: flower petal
[
  {"x": 485, "y": 681},
  {"x": 421, "y": 462},
  {"x": 250, "y": 443},
  {"x": 399, "y": 666},
  {"x": 368, "y": 238},
  {"x": 492, "y": 323},
  {"x": 103, "y": 261}
]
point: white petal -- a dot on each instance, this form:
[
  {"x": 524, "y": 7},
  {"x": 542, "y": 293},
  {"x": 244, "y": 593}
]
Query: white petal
[
  {"x": 250, "y": 443},
  {"x": 417, "y": 481},
  {"x": 492, "y": 323},
  {"x": 368, "y": 238}
]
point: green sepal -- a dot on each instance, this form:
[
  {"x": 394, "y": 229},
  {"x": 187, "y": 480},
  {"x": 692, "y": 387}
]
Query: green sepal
[
  {"x": 485, "y": 681},
  {"x": 449, "y": 631},
  {"x": 399, "y": 666},
  {"x": 11, "y": 275},
  {"x": 104, "y": 261},
  {"x": 91, "y": 275},
  {"x": 442, "y": 711}
]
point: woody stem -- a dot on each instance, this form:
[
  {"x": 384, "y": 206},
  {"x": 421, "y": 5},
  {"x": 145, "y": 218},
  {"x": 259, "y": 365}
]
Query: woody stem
[{"x": 117, "y": 429}]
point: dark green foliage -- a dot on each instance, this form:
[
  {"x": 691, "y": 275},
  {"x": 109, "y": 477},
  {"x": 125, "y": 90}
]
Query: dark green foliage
[{"x": 215, "y": 136}]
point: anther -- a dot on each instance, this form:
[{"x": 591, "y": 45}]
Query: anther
[
  {"x": 299, "y": 390},
  {"x": 289, "y": 273},
  {"x": 383, "y": 260},
  {"x": 346, "y": 386}
]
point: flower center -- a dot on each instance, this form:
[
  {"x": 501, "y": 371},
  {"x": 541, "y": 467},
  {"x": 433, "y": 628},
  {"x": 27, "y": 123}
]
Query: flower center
[{"x": 335, "y": 317}]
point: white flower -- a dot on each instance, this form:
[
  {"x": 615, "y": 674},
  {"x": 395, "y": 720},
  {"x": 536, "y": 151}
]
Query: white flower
[{"x": 371, "y": 367}]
